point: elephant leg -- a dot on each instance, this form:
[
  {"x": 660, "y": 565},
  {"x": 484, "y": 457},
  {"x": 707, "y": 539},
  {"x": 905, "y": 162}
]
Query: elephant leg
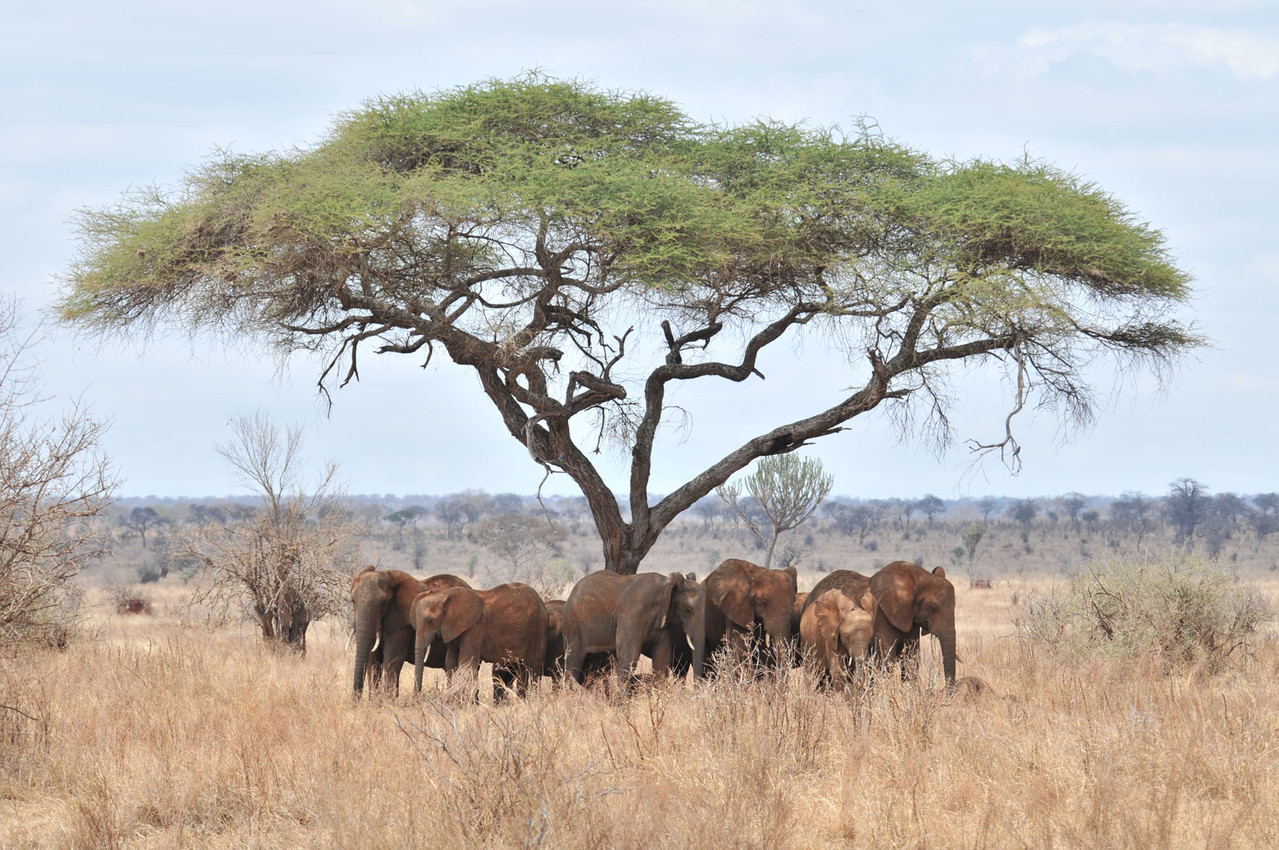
[
  {"x": 574, "y": 658},
  {"x": 628, "y": 652},
  {"x": 468, "y": 663},
  {"x": 373, "y": 670},
  {"x": 450, "y": 660},
  {"x": 504, "y": 681},
  {"x": 660, "y": 652},
  {"x": 910, "y": 659},
  {"x": 399, "y": 649}
]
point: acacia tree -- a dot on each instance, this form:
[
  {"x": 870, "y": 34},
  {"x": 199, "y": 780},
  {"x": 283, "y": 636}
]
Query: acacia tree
[{"x": 536, "y": 230}]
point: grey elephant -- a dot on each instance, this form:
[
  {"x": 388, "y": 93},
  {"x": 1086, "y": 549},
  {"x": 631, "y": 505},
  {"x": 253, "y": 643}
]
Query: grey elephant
[
  {"x": 384, "y": 638},
  {"x": 629, "y": 615}
]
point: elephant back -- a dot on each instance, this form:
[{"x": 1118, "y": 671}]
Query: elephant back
[{"x": 852, "y": 584}]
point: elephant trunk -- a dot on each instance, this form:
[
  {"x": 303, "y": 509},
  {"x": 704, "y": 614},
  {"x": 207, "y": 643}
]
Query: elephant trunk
[
  {"x": 697, "y": 635},
  {"x": 366, "y": 634},
  {"x": 947, "y": 639},
  {"x": 777, "y": 628}
]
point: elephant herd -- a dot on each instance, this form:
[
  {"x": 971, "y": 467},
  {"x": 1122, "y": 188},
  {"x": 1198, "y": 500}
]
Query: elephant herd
[{"x": 741, "y": 613}]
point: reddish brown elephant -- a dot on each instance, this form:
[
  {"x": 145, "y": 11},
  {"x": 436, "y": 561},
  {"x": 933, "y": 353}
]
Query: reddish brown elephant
[
  {"x": 912, "y": 601},
  {"x": 835, "y": 632},
  {"x": 746, "y": 602},
  {"x": 382, "y": 600},
  {"x": 505, "y": 625}
]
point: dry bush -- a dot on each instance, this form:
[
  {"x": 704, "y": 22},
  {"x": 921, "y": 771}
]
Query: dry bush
[
  {"x": 1182, "y": 610},
  {"x": 288, "y": 562},
  {"x": 54, "y": 481}
]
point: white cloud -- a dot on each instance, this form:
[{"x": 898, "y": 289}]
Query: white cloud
[{"x": 1159, "y": 48}]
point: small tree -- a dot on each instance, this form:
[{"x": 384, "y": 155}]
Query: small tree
[
  {"x": 856, "y": 520},
  {"x": 787, "y": 490},
  {"x": 142, "y": 520},
  {"x": 403, "y": 517},
  {"x": 1186, "y": 506},
  {"x": 1073, "y": 504},
  {"x": 1132, "y": 513},
  {"x": 972, "y": 535},
  {"x": 54, "y": 482},
  {"x": 290, "y": 561},
  {"x": 930, "y": 506},
  {"x": 526, "y": 543}
]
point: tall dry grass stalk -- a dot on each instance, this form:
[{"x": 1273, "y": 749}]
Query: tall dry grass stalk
[{"x": 158, "y": 736}]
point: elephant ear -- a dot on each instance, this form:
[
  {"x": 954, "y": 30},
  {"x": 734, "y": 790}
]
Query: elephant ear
[
  {"x": 868, "y": 603},
  {"x": 895, "y": 597},
  {"x": 939, "y": 572},
  {"x": 794, "y": 577},
  {"x": 730, "y": 592},
  {"x": 462, "y": 610}
]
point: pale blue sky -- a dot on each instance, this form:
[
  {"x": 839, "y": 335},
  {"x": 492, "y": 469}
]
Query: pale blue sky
[{"x": 1171, "y": 106}]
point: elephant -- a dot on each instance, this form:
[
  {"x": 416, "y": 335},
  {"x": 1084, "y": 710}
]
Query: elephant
[
  {"x": 382, "y": 600},
  {"x": 746, "y": 602},
  {"x": 505, "y": 625},
  {"x": 912, "y": 601},
  {"x": 596, "y": 663},
  {"x": 835, "y": 632},
  {"x": 626, "y": 615},
  {"x": 854, "y": 585},
  {"x": 688, "y": 628}
]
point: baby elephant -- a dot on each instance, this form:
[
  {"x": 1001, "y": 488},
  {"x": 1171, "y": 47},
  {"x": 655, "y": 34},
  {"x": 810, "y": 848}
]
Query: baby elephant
[
  {"x": 506, "y": 626},
  {"x": 835, "y": 632}
]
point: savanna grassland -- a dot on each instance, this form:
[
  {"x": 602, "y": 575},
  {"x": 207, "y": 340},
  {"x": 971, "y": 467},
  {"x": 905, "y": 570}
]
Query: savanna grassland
[{"x": 153, "y": 730}]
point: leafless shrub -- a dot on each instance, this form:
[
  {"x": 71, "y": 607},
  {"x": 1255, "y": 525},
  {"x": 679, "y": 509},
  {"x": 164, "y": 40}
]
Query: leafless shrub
[
  {"x": 1184, "y": 610},
  {"x": 129, "y": 600},
  {"x": 54, "y": 481},
  {"x": 289, "y": 561}
]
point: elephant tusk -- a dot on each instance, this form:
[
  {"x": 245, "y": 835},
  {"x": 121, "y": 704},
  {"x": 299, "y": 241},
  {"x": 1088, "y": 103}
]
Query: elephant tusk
[
  {"x": 688, "y": 640},
  {"x": 377, "y": 640}
]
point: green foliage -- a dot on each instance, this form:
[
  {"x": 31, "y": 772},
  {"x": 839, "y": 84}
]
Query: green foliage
[
  {"x": 662, "y": 201},
  {"x": 1186, "y": 611}
]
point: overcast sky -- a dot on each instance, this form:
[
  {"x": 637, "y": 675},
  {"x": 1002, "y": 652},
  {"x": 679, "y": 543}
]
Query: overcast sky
[{"x": 1173, "y": 107}]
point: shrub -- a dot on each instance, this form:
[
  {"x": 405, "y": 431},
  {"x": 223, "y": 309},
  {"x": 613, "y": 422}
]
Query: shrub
[{"x": 1185, "y": 610}]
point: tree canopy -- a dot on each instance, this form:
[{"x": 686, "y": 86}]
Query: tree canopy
[{"x": 527, "y": 228}]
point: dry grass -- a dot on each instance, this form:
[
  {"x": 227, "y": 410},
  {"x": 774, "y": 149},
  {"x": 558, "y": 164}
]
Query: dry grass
[{"x": 155, "y": 735}]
